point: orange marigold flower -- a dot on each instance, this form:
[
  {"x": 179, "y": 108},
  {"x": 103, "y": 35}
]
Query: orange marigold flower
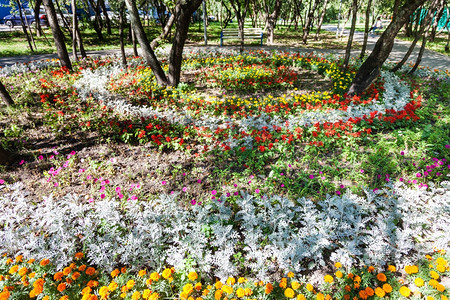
[
  {"x": 82, "y": 268},
  {"x": 392, "y": 268},
  {"x": 31, "y": 260},
  {"x": 58, "y": 276},
  {"x": 387, "y": 287},
  {"x": 115, "y": 273},
  {"x": 19, "y": 258},
  {"x": 61, "y": 287},
  {"x": 76, "y": 275},
  {"x": 268, "y": 289},
  {"x": 320, "y": 296},
  {"x": 90, "y": 271},
  {"x": 136, "y": 295},
  {"x": 405, "y": 291},
  {"x": 363, "y": 295},
  {"x": 218, "y": 294},
  {"x": 248, "y": 291},
  {"x": 289, "y": 293},
  {"x": 44, "y": 262},
  {"x": 381, "y": 277},
  {"x": 67, "y": 270},
  {"x": 13, "y": 269},
  {"x": 370, "y": 269},
  {"x": 79, "y": 255},
  {"x": 369, "y": 291},
  {"x": 92, "y": 283},
  {"x": 347, "y": 288},
  {"x": 198, "y": 286},
  {"x": 290, "y": 275},
  {"x": 123, "y": 270},
  {"x": 4, "y": 295},
  {"x": 283, "y": 283},
  {"x": 23, "y": 271},
  {"x": 380, "y": 292},
  {"x": 142, "y": 273},
  {"x": 64, "y": 298},
  {"x": 113, "y": 286},
  {"x": 86, "y": 290}
]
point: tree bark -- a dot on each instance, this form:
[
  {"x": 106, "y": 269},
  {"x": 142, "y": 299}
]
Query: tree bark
[
  {"x": 348, "y": 49},
  {"x": 5, "y": 95},
  {"x": 240, "y": 9},
  {"x": 272, "y": 20},
  {"x": 308, "y": 21},
  {"x": 57, "y": 35},
  {"x": 370, "y": 69},
  {"x": 97, "y": 24},
  {"x": 366, "y": 31},
  {"x": 147, "y": 51},
  {"x": 107, "y": 19},
  {"x": 423, "y": 28},
  {"x": 439, "y": 13},
  {"x": 121, "y": 34},
  {"x": 421, "y": 51},
  {"x": 165, "y": 32},
  {"x": 74, "y": 30},
  {"x": 183, "y": 14},
  {"x": 23, "y": 20},
  {"x": 36, "y": 9},
  {"x": 319, "y": 26}
]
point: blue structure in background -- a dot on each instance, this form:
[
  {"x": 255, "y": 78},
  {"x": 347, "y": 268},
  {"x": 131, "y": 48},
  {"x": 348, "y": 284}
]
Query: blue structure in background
[
  {"x": 441, "y": 22},
  {"x": 5, "y": 9}
]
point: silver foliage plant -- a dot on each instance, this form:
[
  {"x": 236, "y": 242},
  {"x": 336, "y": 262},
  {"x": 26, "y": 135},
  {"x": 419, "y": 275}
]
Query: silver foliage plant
[{"x": 265, "y": 235}]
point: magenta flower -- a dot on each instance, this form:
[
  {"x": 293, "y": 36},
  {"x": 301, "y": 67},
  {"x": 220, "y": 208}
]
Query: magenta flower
[
  {"x": 418, "y": 175},
  {"x": 401, "y": 179},
  {"x": 362, "y": 171},
  {"x": 342, "y": 186},
  {"x": 338, "y": 192},
  {"x": 213, "y": 192},
  {"x": 236, "y": 193},
  {"x": 199, "y": 181},
  {"x": 55, "y": 184},
  {"x": 102, "y": 196},
  {"x": 235, "y": 185},
  {"x": 257, "y": 191},
  {"x": 282, "y": 185},
  {"x": 118, "y": 189},
  {"x": 2, "y": 181},
  {"x": 163, "y": 182},
  {"x": 21, "y": 162},
  {"x": 184, "y": 189},
  {"x": 447, "y": 146},
  {"x": 40, "y": 157},
  {"x": 81, "y": 170},
  {"x": 311, "y": 176},
  {"x": 402, "y": 153},
  {"x": 193, "y": 202},
  {"x": 120, "y": 196},
  {"x": 228, "y": 194}
]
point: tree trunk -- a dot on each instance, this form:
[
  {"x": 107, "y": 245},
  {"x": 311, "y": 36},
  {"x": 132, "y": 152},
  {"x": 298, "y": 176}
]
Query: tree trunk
[
  {"x": 240, "y": 9},
  {"x": 447, "y": 48},
  {"x": 440, "y": 12},
  {"x": 107, "y": 20},
  {"x": 5, "y": 95},
  {"x": 370, "y": 69},
  {"x": 121, "y": 34},
  {"x": 183, "y": 12},
  {"x": 57, "y": 35},
  {"x": 165, "y": 32},
  {"x": 366, "y": 31},
  {"x": 97, "y": 24},
  {"x": 147, "y": 51},
  {"x": 422, "y": 49},
  {"x": 23, "y": 20},
  {"x": 348, "y": 49},
  {"x": 36, "y": 8},
  {"x": 272, "y": 20},
  {"x": 324, "y": 10},
  {"x": 423, "y": 28},
  {"x": 74, "y": 30}
]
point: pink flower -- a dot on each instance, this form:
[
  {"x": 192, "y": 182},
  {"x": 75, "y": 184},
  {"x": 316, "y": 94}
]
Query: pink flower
[
  {"x": 447, "y": 146},
  {"x": 55, "y": 184},
  {"x": 401, "y": 179},
  {"x": 2, "y": 181},
  {"x": 102, "y": 196},
  {"x": 199, "y": 181},
  {"x": 120, "y": 196},
  {"x": 118, "y": 189},
  {"x": 193, "y": 202},
  {"x": 184, "y": 189},
  {"x": 282, "y": 185},
  {"x": 40, "y": 157},
  {"x": 163, "y": 182},
  {"x": 91, "y": 200},
  {"x": 235, "y": 185},
  {"x": 81, "y": 170},
  {"x": 311, "y": 176},
  {"x": 21, "y": 162},
  {"x": 257, "y": 191},
  {"x": 402, "y": 153},
  {"x": 362, "y": 171},
  {"x": 338, "y": 192},
  {"x": 342, "y": 186},
  {"x": 213, "y": 192},
  {"x": 418, "y": 175}
]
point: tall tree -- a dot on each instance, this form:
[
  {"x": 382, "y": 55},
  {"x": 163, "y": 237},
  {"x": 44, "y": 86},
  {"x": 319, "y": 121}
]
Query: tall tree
[
  {"x": 5, "y": 95},
  {"x": 322, "y": 16},
  {"x": 121, "y": 34},
  {"x": 24, "y": 22},
  {"x": 309, "y": 20},
  {"x": 351, "y": 34},
  {"x": 366, "y": 30},
  {"x": 439, "y": 13},
  {"x": 240, "y": 8},
  {"x": 272, "y": 11},
  {"x": 57, "y": 35},
  {"x": 370, "y": 69}
]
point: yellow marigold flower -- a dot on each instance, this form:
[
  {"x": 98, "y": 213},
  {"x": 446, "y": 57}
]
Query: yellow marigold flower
[
  {"x": 86, "y": 290},
  {"x": 380, "y": 292},
  {"x": 328, "y": 278},
  {"x": 123, "y": 295},
  {"x": 61, "y": 287},
  {"x": 268, "y": 289},
  {"x": 240, "y": 293},
  {"x": 103, "y": 292},
  {"x": 387, "y": 287},
  {"x": 295, "y": 285},
  {"x": 32, "y": 275},
  {"x": 363, "y": 294},
  {"x": 142, "y": 273},
  {"x": 205, "y": 292},
  {"x": 301, "y": 297},
  {"x": 82, "y": 268},
  {"x": 183, "y": 296},
  {"x": 242, "y": 279},
  {"x": 443, "y": 297},
  {"x": 218, "y": 285},
  {"x": 440, "y": 287},
  {"x": 46, "y": 298},
  {"x": 440, "y": 268},
  {"x": 192, "y": 276},
  {"x": 218, "y": 294},
  {"x": 64, "y": 298},
  {"x": 405, "y": 291},
  {"x": 441, "y": 261},
  {"x": 154, "y": 276},
  {"x": 434, "y": 275},
  {"x": 198, "y": 286},
  {"x": 13, "y": 269},
  {"x": 146, "y": 293},
  {"x": 227, "y": 289},
  {"x": 136, "y": 295},
  {"x": 188, "y": 288},
  {"x": 167, "y": 273},
  {"x": 433, "y": 283},
  {"x": 381, "y": 277},
  {"x": 23, "y": 271},
  {"x": 339, "y": 274},
  {"x": 58, "y": 276},
  {"x": 289, "y": 293},
  {"x": 411, "y": 269},
  {"x": 123, "y": 270},
  {"x": 309, "y": 287},
  {"x": 154, "y": 296},
  {"x": 113, "y": 286},
  {"x": 9, "y": 261},
  {"x": 430, "y": 298},
  {"x": 428, "y": 257},
  {"x": 320, "y": 296},
  {"x": 130, "y": 284},
  {"x": 44, "y": 262},
  {"x": 392, "y": 268},
  {"x": 19, "y": 258},
  {"x": 248, "y": 291},
  {"x": 338, "y": 265},
  {"x": 90, "y": 271},
  {"x": 230, "y": 280},
  {"x": 419, "y": 282}
]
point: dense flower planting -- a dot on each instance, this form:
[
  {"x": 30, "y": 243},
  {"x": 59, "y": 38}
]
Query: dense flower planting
[{"x": 275, "y": 181}]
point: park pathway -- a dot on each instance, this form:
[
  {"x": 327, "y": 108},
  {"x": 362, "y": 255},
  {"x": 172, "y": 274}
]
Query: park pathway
[{"x": 431, "y": 59}]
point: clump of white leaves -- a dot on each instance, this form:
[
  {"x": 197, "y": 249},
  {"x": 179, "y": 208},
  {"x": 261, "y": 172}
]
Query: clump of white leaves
[{"x": 269, "y": 233}]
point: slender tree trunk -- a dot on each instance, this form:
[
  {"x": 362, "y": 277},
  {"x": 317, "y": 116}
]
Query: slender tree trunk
[
  {"x": 366, "y": 30},
  {"x": 97, "y": 24},
  {"x": 74, "y": 30},
  {"x": 421, "y": 51},
  {"x": 63, "y": 23},
  {"x": 57, "y": 35},
  {"x": 319, "y": 26},
  {"x": 447, "y": 48},
  {"x": 134, "y": 41},
  {"x": 107, "y": 19},
  {"x": 183, "y": 16},
  {"x": 350, "y": 36},
  {"x": 370, "y": 69},
  {"x": 272, "y": 20},
  {"x": 24, "y": 20},
  {"x": 5, "y": 95},
  {"x": 36, "y": 8},
  {"x": 147, "y": 51},
  {"x": 165, "y": 32},
  {"x": 423, "y": 28},
  {"x": 240, "y": 10},
  {"x": 121, "y": 34},
  {"x": 439, "y": 13}
]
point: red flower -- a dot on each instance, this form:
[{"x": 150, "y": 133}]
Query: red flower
[{"x": 262, "y": 148}]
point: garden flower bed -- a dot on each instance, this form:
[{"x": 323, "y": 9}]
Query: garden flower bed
[{"x": 246, "y": 169}]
